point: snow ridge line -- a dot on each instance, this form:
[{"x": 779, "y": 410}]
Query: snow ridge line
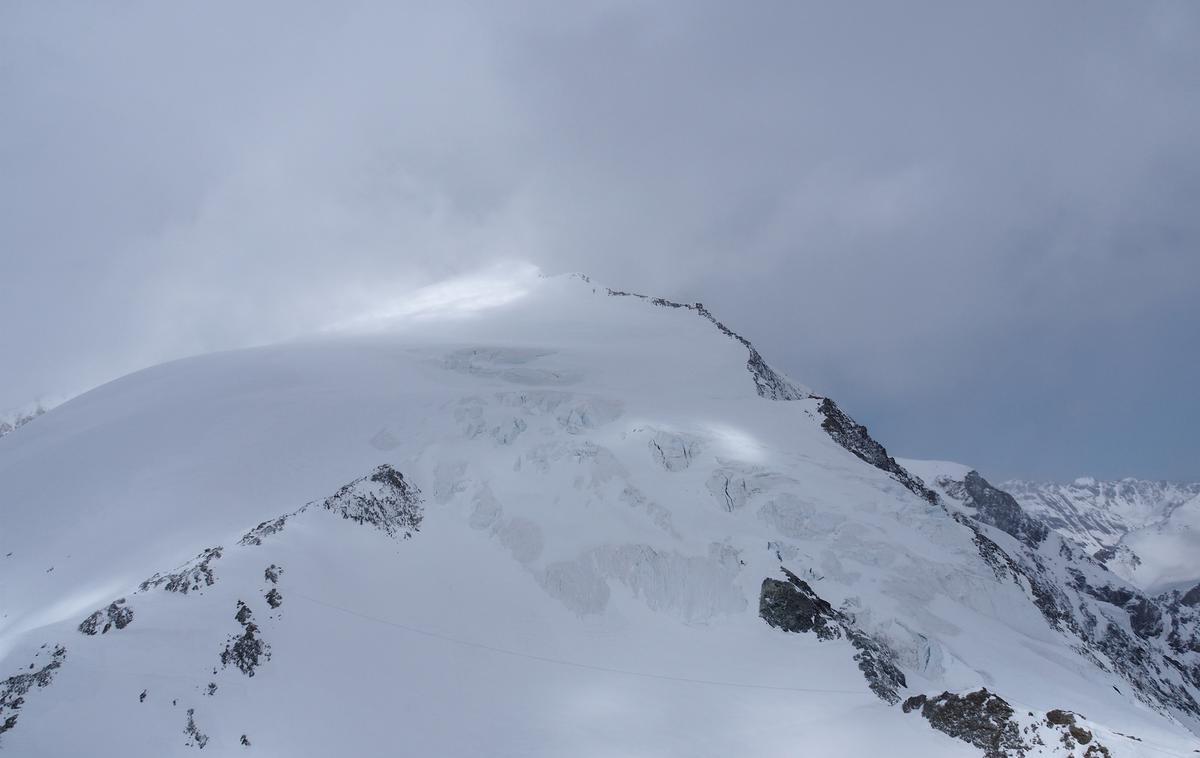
[
  {"x": 767, "y": 381},
  {"x": 772, "y": 385},
  {"x": 573, "y": 664}
]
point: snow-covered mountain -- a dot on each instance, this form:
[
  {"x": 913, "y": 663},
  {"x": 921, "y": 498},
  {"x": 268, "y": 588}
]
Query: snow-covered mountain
[
  {"x": 1146, "y": 531},
  {"x": 567, "y": 521}
]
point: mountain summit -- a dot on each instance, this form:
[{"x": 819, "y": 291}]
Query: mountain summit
[{"x": 573, "y": 521}]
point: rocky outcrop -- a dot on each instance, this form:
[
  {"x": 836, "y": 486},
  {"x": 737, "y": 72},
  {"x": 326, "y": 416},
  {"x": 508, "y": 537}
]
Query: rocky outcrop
[
  {"x": 980, "y": 718},
  {"x": 191, "y": 576},
  {"x": 246, "y": 651},
  {"x": 996, "y": 508},
  {"x": 793, "y": 606},
  {"x": 990, "y": 723},
  {"x": 1145, "y": 617},
  {"x": 1192, "y": 597},
  {"x": 14, "y": 689},
  {"x": 383, "y": 500},
  {"x": 116, "y": 615},
  {"x": 267, "y": 528},
  {"x": 855, "y": 438},
  {"x": 196, "y": 738}
]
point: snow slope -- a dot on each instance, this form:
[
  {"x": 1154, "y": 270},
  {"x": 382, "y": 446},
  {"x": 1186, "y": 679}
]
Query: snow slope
[{"x": 561, "y": 521}]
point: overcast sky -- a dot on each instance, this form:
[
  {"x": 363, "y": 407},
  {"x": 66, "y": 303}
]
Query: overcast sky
[{"x": 976, "y": 225}]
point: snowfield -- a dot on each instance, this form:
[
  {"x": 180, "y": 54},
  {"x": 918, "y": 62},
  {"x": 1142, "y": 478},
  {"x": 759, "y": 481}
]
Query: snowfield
[{"x": 553, "y": 521}]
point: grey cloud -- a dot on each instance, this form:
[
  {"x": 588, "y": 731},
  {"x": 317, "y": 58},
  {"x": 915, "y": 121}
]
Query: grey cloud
[{"x": 951, "y": 217}]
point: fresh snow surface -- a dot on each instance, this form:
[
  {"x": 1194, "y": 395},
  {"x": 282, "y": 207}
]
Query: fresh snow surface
[{"x": 603, "y": 494}]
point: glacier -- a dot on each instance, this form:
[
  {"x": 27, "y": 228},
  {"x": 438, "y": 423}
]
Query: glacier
[{"x": 571, "y": 520}]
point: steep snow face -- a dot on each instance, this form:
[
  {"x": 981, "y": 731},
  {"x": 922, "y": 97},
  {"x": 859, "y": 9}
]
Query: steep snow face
[
  {"x": 562, "y": 522},
  {"x": 1146, "y": 531}
]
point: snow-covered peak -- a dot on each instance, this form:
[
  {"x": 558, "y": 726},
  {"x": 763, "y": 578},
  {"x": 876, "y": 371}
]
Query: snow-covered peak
[{"x": 571, "y": 521}]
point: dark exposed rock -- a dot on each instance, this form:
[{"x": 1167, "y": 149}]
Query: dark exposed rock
[
  {"x": 274, "y": 598},
  {"x": 1002, "y": 565},
  {"x": 1105, "y": 554},
  {"x": 195, "y": 736},
  {"x": 14, "y": 689},
  {"x": 877, "y": 664},
  {"x": 1192, "y": 597},
  {"x": 256, "y": 535},
  {"x": 855, "y": 438},
  {"x": 913, "y": 703},
  {"x": 1141, "y": 667},
  {"x": 271, "y": 574},
  {"x": 142, "y": 697},
  {"x": 1117, "y": 596},
  {"x": 997, "y": 508},
  {"x": 117, "y": 614},
  {"x": 793, "y": 606},
  {"x": 1081, "y": 735},
  {"x": 383, "y": 500},
  {"x": 1110, "y": 552},
  {"x": 1058, "y": 717},
  {"x": 980, "y": 718},
  {"x": 191, "y": 576},
  {"x": 245, "y": 741},
  {"x": 1145, "y": 617},
  {"x": 246, "y": 651}
]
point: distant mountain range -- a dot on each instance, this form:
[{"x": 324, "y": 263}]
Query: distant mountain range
[{"x": 1146, "y": 531}]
